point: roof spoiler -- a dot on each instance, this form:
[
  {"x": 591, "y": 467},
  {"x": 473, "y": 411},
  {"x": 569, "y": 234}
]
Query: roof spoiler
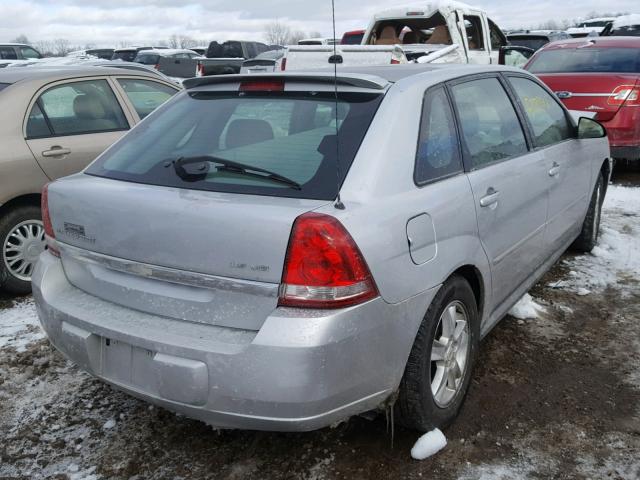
[{"x": 359, "y": 81}]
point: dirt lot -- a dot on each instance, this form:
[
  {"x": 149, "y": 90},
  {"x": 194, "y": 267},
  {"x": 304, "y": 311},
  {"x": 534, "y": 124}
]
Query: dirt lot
[{"x": 557, "y": 396}]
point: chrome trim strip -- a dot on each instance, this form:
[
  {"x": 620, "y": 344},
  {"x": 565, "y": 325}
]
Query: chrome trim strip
[
  {"x": 572, "y": 94},
  {"x": 170, "y": 275}
]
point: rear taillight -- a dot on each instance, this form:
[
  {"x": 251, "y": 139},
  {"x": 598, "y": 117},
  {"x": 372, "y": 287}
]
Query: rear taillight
[
  {"x": 283, "y": 64},
  {"x": 200, "y": 70},
  {"x": 49, "y": 234},
  {"x": 395, "y": 61},
  {"x": 324, "y": 267},
  {"x": 157, "y": 66},
  {"x": 628, "y": 95}
]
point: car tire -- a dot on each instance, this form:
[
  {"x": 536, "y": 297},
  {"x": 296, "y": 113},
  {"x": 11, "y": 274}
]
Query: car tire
[
  {"x": 419, "y": 407},
  {"x": 588, "y": 237},
  {"x": 25, "y": 223}
]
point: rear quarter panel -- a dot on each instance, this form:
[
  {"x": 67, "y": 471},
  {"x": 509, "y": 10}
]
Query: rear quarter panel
[{"x": 381, "y": 197}]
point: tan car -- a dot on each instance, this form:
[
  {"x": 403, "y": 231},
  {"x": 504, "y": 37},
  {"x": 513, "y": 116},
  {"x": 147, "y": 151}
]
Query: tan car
[{"x": 53, "y": 123}]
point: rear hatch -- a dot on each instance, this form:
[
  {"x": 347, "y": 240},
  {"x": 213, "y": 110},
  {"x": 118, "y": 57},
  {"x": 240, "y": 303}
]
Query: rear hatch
[
  {"x": 189, "y": 216},
  {"x": 588, "y": 77}
]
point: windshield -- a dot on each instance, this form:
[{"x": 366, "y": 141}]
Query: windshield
[
  {"x": 291, "y": 134},
  {"x": 535, "y": 43},
  {"x": 605, "y": 60}
]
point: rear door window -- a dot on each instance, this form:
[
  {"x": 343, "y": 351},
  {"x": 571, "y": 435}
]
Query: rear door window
[
  {"x": 8, "y": 53},
  {"x": 438, "y": 153},
  {"x": 491, "y": 130},
  {"x": 547, "y": 118},
  {"x": 290, "y": 134},
  {"x": 473, "y": 26},
  {"x": 78, "y": 108},
  {"x": 146, "y": 95}
]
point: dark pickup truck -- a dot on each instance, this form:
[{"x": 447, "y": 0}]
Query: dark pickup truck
[
  {"x": 227, "y": 58},
  {"x": 222, "y": 59}
]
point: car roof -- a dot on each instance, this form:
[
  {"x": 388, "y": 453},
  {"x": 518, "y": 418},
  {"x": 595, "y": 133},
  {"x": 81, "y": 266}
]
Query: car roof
[
  {"x": 17, "y": 74},
  {"x": 376, "y": 77},
  {"x": 605, "y": 42},
  {"x": 165, "y": 51}
]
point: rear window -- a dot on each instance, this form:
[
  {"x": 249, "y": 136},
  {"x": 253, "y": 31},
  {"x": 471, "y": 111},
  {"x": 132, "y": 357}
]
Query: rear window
[
  {"x": 353, "y": 39},
  {"x": 289, "y": 134},
  {"x": 148, "y": 59},
  {"x": 584, "y": 60},
  {"x": 534, "y": 43},
  {"x": 127, "y": 56},
  {"x": 626, "y": 31}
]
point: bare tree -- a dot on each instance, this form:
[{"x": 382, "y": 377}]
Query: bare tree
[
  {"x": 174, "y": 41},
  {"x": 22, "y": 38},
  {"x": 277, "y": 33},
  {"x": 295, "y": 36},
  {"x": 61, "y": 47},
  {"x": 45, "y": 47}
]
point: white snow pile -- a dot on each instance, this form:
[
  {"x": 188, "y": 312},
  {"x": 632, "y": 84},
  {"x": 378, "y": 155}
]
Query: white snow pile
[
  {"x": 428, "y": 445},
  {"x": 627, "y": 20},
  {"x": 19, "y": 325},
  {"x": 617, "y": 254},
  {"x": 526, "y": 308}
]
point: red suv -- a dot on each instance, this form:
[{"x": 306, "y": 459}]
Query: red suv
[{"x": 599, "y": 75}]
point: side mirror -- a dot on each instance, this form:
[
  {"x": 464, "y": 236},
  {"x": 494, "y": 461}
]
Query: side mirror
[
  {"x": 590, "y": 128},
  {"x": 514, "y": 55}
]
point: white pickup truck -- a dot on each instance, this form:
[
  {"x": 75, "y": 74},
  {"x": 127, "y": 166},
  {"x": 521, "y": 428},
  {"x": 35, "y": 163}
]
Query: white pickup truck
[{"x": 444, "y": 32}]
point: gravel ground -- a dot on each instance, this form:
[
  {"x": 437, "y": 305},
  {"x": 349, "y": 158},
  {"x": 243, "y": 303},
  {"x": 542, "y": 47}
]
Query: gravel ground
[{"x": 557, "y": 396}]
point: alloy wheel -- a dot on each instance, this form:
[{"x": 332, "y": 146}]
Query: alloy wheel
[
  {"x": 450, "y": 354},
  {"x": 22, "y": 247}
]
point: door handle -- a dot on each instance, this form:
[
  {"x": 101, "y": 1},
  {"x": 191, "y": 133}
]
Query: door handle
[
  {"x": 491, "y": 198},
  {"x": 555, "y": 170},
  {"x": 56, "y": 151}
]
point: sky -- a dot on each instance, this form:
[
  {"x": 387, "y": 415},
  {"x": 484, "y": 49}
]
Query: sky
[{"x": 116, "y": 22}]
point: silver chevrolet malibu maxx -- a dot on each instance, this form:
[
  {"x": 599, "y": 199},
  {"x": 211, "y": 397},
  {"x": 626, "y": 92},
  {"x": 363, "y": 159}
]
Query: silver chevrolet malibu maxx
[{"x": 282, "y": 251}]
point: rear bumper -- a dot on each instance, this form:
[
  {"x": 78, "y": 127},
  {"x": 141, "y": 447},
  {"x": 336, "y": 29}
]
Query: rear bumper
[
  {"x": 303, "y": 370},
  {"x": 626, "y": 153},
  {"x": 624, "y": 133}
]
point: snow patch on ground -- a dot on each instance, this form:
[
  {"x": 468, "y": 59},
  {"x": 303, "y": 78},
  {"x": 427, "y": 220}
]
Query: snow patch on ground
[
  {"x": 616, "y": 258},
  {"x": 526, "y": 308},
  {"x": 428, "y": 445},
  {"x": 19, "y": 326}
]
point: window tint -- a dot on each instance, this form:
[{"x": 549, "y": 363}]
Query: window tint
[
  {"x": 8, "y": 53},
  {"x": 490, "y": 127},
  {"x": 126, "y": 56},
  {"x": 82, "y": 107},
  {"x": 147, "y": 59},
  {"x": 146, "y": 95},
  {"x": 547, "y": 118},
  {"x": 292, "y": 134},
  {"x": 3, "y": 86},
  {"x": 473, "y": 26},
  {"x": 438, "y": 154},
  {"x": 36, "y": 124},
  {"x": 497, "y": 37},
  {"x": 28, "y": 52}
]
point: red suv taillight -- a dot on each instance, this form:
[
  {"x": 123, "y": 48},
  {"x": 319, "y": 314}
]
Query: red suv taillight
[
  {"x": 324, "y": 267},
  {"x": 49, "y": 234},
  {"x": 628, "y": 95},
  {"x": 200, "y": 70}
]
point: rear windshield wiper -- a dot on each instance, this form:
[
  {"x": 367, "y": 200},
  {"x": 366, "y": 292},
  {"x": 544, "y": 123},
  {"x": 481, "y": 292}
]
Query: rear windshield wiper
[{"x": 230, "y": 166}]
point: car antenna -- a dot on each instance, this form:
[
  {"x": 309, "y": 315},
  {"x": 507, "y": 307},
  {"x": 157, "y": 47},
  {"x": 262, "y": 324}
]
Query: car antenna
[{"x": 335, "y": 60}]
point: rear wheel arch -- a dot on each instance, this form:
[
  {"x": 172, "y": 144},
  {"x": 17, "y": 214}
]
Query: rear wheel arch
[
  {"x": 474, "y": 278},
  {"x": 30, "y": 199}
]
